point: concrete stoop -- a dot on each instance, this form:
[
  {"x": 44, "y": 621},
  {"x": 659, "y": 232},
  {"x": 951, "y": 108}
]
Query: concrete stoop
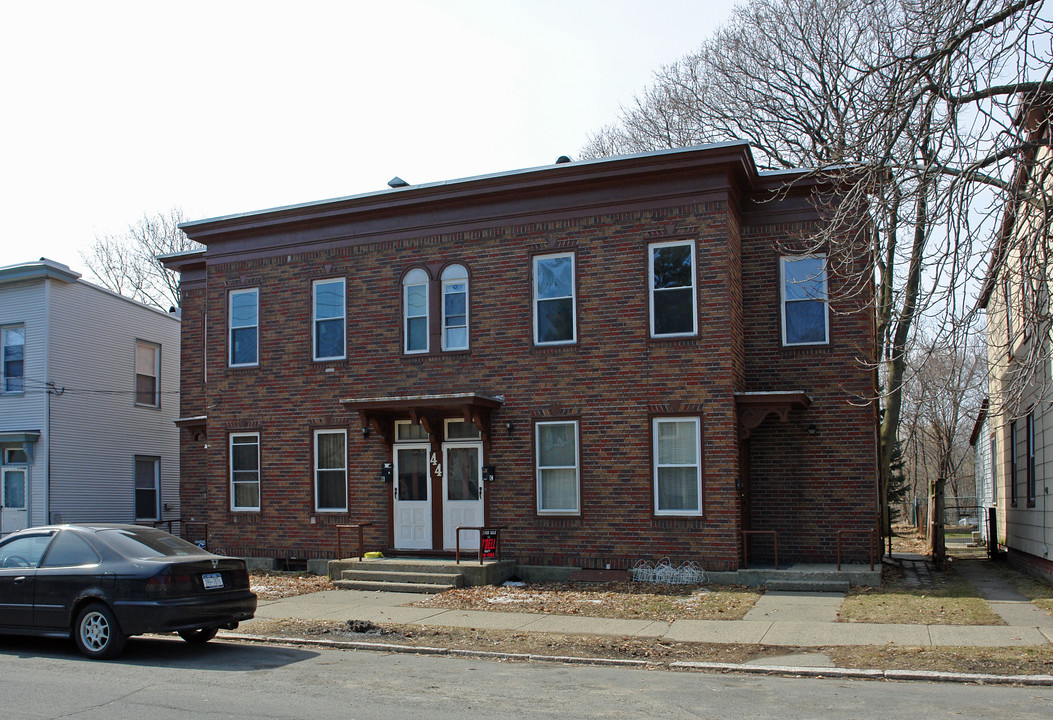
[
  {"x": 835, "y": 586},
  {"x": 802, "y": 577},
  {"x": 414, "y": 575}
]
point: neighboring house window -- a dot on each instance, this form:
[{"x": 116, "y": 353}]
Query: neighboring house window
[
  {"x": 1031, "y": 458},
  {"x": 147, "y": 374},
  {"x": 415, "y": 311},
  {"x": 330, "y": 470},
  {"x": 147, "y": 487},
  {"x": 805, "y": 317},
  {"x": 554, "y": 302},
  {"x": 557, "y": 467},
  {"x": 677, "y": 466},
  {"x": 1012, "y": 463},
  {"x": 245, "y": 471},
  {"x": 244, "y": 327},
  {"x": 13, "y": 348},
  {"x": 991, "y": 472},
  {"x": 1009, "y": 312},
  {"x": 671, "y": 270},
  {"x": 455, "y": 308},
  {"x": 328, "y": 303}
]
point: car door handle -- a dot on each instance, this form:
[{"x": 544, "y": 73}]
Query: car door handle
[{"x": 19, "y": 580}]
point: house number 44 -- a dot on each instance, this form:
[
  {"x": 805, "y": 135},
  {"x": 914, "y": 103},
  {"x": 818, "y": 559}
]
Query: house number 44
[{"x": 436, "y": 465}]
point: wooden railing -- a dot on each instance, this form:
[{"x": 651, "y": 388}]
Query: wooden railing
[
  {"x": 745, "y": 545},
  {"x": 340, "y": 538}
]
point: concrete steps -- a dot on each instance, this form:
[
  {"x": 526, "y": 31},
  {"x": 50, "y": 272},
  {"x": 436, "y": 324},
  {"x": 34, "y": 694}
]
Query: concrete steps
[
  {"x": 835, "y": 586},
  {"x": 409, "y": 576}
]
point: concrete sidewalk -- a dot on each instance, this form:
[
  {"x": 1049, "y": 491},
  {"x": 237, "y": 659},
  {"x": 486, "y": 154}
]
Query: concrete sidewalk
[{"x": 780, "y": 618}]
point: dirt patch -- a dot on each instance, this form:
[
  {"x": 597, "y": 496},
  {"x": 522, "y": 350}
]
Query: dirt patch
[
  {"x": 274, "y": 584},
  {"x": 998, "y": 661},
  {"x": 624, "y": 600}
]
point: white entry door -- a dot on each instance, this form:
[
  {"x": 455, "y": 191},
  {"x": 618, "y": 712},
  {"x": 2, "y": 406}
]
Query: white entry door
[
  {"x": 412, "y": 497},
  {"x": 462, "y": 492},
  {"x": 12, "y": 500}
]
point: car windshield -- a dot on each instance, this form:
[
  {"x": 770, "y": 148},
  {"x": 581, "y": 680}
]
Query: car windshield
[{"x": 147, "y": 543}]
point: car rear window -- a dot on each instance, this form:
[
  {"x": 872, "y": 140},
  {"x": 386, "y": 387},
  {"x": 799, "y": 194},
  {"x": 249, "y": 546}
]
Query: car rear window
[{"x": 147, "y": 543}]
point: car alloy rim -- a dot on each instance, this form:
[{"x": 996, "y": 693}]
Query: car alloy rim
[{"x": 95, "y": 631}]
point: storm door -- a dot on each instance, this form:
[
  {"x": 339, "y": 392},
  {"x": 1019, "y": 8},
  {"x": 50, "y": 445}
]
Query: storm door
[
  {"x": 12, "y": 500},
  {"x": 462, "y": 484},
  {"x": 412, "y": 496}
]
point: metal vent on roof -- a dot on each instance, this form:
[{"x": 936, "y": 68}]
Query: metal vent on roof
[
  {"x": 562, "y": 159},
  {"x": 397, "y": 182}
]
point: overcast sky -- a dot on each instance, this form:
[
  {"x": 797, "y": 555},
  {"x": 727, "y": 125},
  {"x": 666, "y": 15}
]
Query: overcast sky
[{"x": 114, "y": 109}]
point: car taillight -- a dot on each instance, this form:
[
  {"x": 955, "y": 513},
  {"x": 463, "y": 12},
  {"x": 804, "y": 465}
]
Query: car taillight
[{"x": 171, "y": 584}]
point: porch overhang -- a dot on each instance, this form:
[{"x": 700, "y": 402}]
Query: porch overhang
[
  {"x": 754, "y": 407},
  {"x": 26, "y": 438},
  {"x": 196, "y": 425},
  {"x": 380, "y": 413}
]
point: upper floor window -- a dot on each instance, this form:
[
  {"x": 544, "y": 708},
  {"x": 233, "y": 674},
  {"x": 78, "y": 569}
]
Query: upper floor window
[
  {"x": 554, "y": 302},
  {"x": 1012, "y": 463},
  {"x": 677, "y": 466},
  {"x": 328, "y": 304},
  {"x": 557, "y": 468},
  {"x": 805, "y": 318},
  {"x": 330, "y": 470},
  {"x": 12, "y": 365},
  {"x": 455, "y": 308},
  {"x": 147, "y": 374},
  {"x": 1008, "y": 285},
  {"x": 147, "y": 487},
  {"x": 415, "y": 311},
  {"x": 244, "y": 327},
  {"x": 671, "y": 271},
  {"x": 245, "y": 471}
]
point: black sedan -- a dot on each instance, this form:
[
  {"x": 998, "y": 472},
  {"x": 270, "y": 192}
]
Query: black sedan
[{"x": 103, "y": 583}]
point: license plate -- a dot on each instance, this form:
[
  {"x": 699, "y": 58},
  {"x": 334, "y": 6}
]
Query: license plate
[{"x": 211, "y": 581}]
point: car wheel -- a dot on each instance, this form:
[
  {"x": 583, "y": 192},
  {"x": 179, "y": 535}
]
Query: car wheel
[
  {"x": 199, "y": 636},
  {"x": 97, "y": 633}
]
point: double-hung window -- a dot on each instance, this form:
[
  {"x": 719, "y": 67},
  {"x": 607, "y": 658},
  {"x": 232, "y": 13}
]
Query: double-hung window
[
  {"x": 244, "y": 327},
  {"x": 330, "y": 470},
  {"x": 677, "y": 466},
  {"x": 805, "y": 316},
  {"x": 1012, "y": 463},
  {"x": 245, "y": 471},
  {"x": 557, "y": 468},
  {"x": 554, "y": 302},
  {"x": 455, "y": 308},
  {"x": 12, "y": 363},
  {"x": 415, "y": 311},
  {"x": 671, "y": 279},
  {"x": 147, "y": 487},
  {"x": 147, "y": 374},
  {"x": 328, "y": 304}
]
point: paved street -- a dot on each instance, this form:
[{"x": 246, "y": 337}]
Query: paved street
[{"x": 165, "y": 679}]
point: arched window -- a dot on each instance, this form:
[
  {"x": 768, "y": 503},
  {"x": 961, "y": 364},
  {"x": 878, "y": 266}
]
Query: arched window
[
  {"x": 455, "y": 308},
  {"x": 415, "y": 311}
]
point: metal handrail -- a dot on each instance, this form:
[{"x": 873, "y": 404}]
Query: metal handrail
[
  {"x": 480, "y": 528},
  {"x": 745, "y": 545},
  {"x": 869, "y": 532},
  {"x": 340, "y": 536}
]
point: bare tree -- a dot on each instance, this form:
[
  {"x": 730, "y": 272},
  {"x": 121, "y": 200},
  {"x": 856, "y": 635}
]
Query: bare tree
[
  {"x": 127, "y": 264},
  {"x": 908, "y": 107}
]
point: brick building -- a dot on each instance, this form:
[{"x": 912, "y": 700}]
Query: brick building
[{"x": 610, "y": 359}]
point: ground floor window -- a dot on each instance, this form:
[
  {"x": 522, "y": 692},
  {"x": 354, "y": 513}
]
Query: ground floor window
[
  {"x": 557, "y": 468},
  {"x": 677, "y": 466},
  {"x": 245, "y": 471},
  {"x": 330, "y": 470},
  {"x": 147, "y": 487}
]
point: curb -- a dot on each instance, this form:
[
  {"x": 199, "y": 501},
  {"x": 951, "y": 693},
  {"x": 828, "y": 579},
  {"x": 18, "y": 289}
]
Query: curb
[{"x": 691, "y": 666}]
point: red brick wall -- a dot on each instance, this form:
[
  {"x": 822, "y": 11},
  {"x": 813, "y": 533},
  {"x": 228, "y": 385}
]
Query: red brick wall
[{"x": 613, "y": 381}]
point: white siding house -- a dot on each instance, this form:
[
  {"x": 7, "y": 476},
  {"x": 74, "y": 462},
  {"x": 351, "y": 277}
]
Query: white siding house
[{"x": 89, "y": 390}]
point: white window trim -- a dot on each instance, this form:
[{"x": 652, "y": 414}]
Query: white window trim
[
  {"x": 231, "y": 328},
  {"x": 698, "y": 466},
  {"x": 406, "y": 316},
  {"x": 573, "y": 297},
  {"x": 782, "y": 299},
  {"x": 3, "y": 359},
  {"x": 442, "y": 300},
  {"x": 577, "y": 467},
  {"x": 315, "y": 319},
  {"x": 446, "y": 431},
  {"x": 317, "y": 507},
  {"x": 694, "y": 287},
  {"x": 230, "y": 470},
  {"x": 157, "y": 486},
  {"x": 157, "y": 376}
]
